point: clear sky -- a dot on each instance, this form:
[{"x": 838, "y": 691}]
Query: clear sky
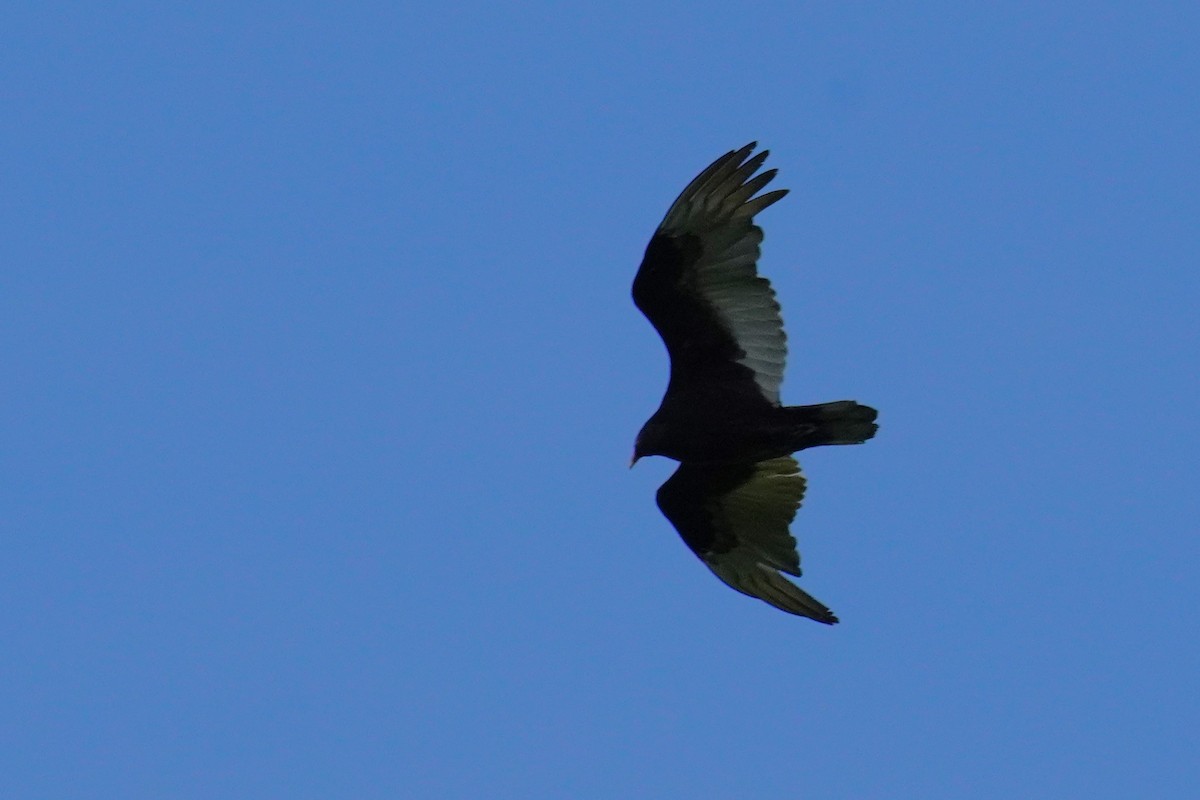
[{"x": 321, "y": 377}]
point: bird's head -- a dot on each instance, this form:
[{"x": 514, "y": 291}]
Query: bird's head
[
  {"x": 637, "y": 452},
  {"x": 647, "y": 441}
]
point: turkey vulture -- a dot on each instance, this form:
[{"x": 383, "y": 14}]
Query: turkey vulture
[{"x": 737, "y": 487}]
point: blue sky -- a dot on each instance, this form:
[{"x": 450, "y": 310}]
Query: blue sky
[{"x": 321, "y": 379}]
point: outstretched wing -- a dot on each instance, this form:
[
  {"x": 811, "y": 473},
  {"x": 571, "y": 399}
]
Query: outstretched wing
[
  {"x": 736, "y": 518},
  {"x": 699, "y": 287}
]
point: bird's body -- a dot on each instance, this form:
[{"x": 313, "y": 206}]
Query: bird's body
[
  {"x": 737, "y": 488},
  {"x": 705, "y": 428}
]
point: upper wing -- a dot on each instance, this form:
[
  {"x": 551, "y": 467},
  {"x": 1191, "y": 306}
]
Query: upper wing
[
  {"x": 698, "y": 286},
  {"x": 736, "y": 518}
]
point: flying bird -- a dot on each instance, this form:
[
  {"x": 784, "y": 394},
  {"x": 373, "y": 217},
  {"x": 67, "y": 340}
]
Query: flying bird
[{"x": 737, "y": 487}]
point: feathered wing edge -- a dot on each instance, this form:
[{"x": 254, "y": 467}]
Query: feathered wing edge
[
  {"x": 761, "y": 581},
  {"x": 721, "y": 192}
]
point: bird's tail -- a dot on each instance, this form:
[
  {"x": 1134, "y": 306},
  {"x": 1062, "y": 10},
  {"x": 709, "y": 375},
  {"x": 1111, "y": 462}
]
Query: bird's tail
[{"x": 839, "y": 422}]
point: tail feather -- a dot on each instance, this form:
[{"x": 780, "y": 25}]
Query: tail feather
[{"x": 839, "y": 422}]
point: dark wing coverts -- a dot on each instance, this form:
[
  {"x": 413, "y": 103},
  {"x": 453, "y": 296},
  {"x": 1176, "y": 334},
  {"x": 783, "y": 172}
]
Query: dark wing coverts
[
  {"x": 699, "y": 287},
  {"x": 736, "y": 518}
]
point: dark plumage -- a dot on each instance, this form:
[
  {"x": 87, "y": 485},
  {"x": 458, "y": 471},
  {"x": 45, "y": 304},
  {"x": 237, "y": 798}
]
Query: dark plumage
[{"x": 737, "y": 487}]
